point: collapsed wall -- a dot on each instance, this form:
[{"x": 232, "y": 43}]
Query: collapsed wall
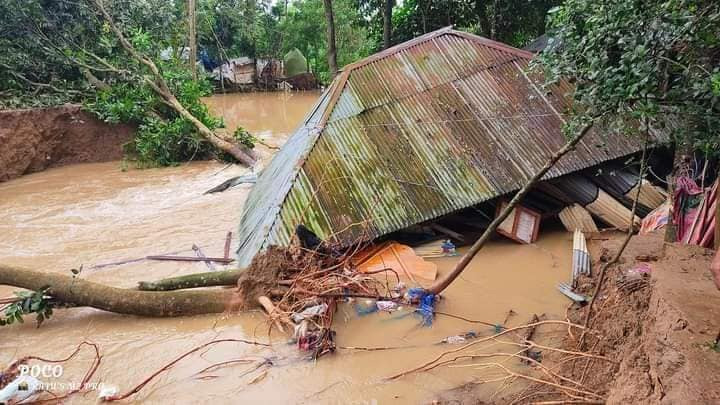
[{"x": 33, "y": 140}]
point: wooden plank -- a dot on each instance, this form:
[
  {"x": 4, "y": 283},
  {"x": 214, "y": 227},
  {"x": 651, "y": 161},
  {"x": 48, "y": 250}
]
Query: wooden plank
[
  {"x": 448, "y": 232},
  {"x": 191, "y": 259},
  {"x": 576, "y": 217},
  {"x": 228, "y": 240}
]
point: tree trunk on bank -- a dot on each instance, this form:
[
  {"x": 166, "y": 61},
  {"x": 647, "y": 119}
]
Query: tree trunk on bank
[
  {"x": 680, "y": 158},
  {"x": 387, "y": 23},
  {"x": 332, "y": 52},
  {"x": 158, "y": 84},
  {"x": 717, "y": 219},
  {"x": 93, "y": 80},
  {"x": 493, "y": 22},
  {"x": 79, "y": 292},
  {"x": 192, "y": 38}
]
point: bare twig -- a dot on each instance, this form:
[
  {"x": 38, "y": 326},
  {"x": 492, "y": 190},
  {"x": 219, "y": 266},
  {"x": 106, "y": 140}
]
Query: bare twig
[
  {"x": 626, "y": 241},
  {"x": 442, "y": 283},
  {"x": 168, "y": 366},
  {"x": 506, "y": 331}
]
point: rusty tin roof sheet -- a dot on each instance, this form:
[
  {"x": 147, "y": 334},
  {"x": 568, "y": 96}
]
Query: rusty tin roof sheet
[{"x": 439, "y": 123}]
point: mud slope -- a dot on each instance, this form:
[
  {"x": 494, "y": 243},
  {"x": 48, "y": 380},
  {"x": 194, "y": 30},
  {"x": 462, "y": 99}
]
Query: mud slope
[
  {"x": 673, "y": 363},
  {"x": 659, "y": 333},
  {"x": 36, "y": 139}
]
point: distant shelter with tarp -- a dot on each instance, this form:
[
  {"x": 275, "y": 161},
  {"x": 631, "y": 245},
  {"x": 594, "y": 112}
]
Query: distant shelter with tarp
[{"x": 290, "y": 73}]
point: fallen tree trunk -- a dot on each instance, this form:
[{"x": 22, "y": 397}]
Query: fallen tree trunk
[
  {"x": 79, "y": 292},
  {"x": 232, "y": 182},
  {"x": 442, "y": 283},
  {"x": 159, "y": 85},
  {"x": 209, "y": 279}
]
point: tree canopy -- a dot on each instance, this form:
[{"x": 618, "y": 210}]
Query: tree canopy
[
  {"x": 515, "y": 22},
  {"x": 652, "y": 59},
  {"x": 46, "y": 43},
  {"x": 638, "y": 60}
]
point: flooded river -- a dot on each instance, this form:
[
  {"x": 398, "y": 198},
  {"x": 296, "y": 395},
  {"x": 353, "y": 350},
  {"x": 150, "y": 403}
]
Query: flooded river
[{"x": 98, "y": 215}]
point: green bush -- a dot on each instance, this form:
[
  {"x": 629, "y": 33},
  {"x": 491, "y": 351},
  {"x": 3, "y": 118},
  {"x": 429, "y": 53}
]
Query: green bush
[
  {"x": 167, "y": 143},
  {"x": 244, "y": 138},
  {"x": 163, "y": 138},
  {"x": 123, "y": 102}
]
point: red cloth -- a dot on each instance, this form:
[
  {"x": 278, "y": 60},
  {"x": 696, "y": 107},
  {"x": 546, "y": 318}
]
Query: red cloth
[{"x": 683, "y": 217}]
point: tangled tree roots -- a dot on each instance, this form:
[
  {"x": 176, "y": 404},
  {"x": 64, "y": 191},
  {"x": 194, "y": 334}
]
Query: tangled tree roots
[
  {"x": 300, "y": 288},
  {"x": 273, "y": 273}
]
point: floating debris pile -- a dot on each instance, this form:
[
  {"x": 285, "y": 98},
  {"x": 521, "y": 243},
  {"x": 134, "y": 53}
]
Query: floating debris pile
[{"x": 300, "y": 288}]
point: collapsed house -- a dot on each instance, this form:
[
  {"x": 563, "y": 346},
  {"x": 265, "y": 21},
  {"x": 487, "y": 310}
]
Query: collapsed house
[
  {"x": 248, "y": 71},
  {"x": 430, "y": 127},
  {"x": 290, "y": 73}
]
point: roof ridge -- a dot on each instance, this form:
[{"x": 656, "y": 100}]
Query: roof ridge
[
  {"x": 342, "y": 78},
  {"x": 494, "y": 44},
  {"x": 431, "y": 36}
]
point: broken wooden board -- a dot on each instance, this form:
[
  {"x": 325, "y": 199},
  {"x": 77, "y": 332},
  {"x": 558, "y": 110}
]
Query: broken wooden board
[
  {"x": 575, "y": 217},
  {"x": 651, "y": 195},
  {"x": 611, "y": 211},
  {"x": 522, "y": 225}
]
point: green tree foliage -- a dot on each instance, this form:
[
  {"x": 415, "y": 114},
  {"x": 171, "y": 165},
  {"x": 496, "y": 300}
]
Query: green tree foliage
[
  {"x": 28, "y": 302},
  {"x": 232, "y": 28},
  {"x": 60, "y": 43},
  {"x": 31, "y": 74},
  {"x": 304, "y": 28},
  {"x": 637, "y": 60},
  {"x": 515, "y": 22},
  {"x": 163, "y": 137}
]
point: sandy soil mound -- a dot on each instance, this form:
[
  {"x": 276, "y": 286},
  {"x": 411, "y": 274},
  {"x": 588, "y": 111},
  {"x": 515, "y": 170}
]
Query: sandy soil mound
[
  {"x": 36, "y": 139},
  {"x": 672, "y": 361},
  {"x": 660, "y": 329}
]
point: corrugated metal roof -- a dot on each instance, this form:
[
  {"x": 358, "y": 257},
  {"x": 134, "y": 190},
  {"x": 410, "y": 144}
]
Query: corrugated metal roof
[{"x": 417, "y": 131}]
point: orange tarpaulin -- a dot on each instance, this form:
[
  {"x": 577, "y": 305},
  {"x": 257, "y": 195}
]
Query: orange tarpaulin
[{"x": 399, "y": 257}]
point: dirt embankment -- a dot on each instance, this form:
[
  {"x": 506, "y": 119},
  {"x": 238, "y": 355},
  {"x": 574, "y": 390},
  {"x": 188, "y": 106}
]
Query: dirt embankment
[
  {"x": 660, "y": 330},
  {"x": 36, "y": 139}
]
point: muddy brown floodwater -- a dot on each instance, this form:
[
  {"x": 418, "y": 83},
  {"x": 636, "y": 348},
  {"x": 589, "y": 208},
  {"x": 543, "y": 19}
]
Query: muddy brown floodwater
[{"x": 94, "y": 214}]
